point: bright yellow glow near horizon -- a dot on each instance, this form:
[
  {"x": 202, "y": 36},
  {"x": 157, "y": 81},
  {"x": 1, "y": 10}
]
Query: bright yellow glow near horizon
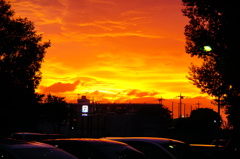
[{"x": 112, "y": 50}]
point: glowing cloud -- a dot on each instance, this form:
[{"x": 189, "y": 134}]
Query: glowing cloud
[
  {"x": 60, "y": 87},
  {"x": 112, "y": 50}
]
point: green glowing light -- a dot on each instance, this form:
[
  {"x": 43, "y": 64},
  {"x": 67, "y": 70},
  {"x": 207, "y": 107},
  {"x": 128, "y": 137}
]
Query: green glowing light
[{"x": 207, "y": 48}]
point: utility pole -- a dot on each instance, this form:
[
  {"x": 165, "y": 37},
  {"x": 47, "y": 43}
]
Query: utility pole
[
  {"x": 198, "y": 104},
  {"x": 160, "y": 100},
  {"x": 78, "y": 98},
  {"x": 184, "y": 110},
  {"x": 191, "y": 109},
  {"x": 180, "y": 105},
  {"x": 218, "y": 120}
]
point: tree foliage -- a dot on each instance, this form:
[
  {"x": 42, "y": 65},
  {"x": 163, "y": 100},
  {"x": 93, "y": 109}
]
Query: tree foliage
[
  {"x": 21, "y": 55},
  {"x": 206, "y": 78},
  {"x": 204, "y": 119},
  {"x": 55, "y": 109},
  {"x": 215, "y": 23},
  {"x": 206, "y": 28},
  {"x": 154, "y": 110},
  {"x": 200, "y": 120},
  {"x": 160, "y": 111}
]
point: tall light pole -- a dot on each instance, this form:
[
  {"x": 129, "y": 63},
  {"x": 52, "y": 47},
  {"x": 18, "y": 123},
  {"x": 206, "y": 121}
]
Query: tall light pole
[
  {"x": 198, "y": 105},
  {"x": 172, "y": 111},
  {"x": 180, "y": 105},
  {"x": 218, "y": 120}
]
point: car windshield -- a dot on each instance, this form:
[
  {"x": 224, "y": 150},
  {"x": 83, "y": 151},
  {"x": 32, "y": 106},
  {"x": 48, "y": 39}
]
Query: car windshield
[
  {"x": 40, "y": 153},
  {"x": 123, "y": 152},
  {"x": 181, "y": 151},
  {"x": 177, "y": 149}
]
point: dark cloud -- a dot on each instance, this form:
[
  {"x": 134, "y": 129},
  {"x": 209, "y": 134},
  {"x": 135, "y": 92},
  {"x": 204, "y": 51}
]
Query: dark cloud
[{"x": 60, "y": 87}]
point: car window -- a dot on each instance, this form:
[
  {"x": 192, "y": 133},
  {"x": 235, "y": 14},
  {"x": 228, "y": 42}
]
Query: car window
[
  {"x": 150, "y": 150},
  {"x": 96, "y": 150},
  {"x": 17, "y": 136},
  {"x": 78, "y": 149},
  {"x": 179, "y": 150},
  {"x": 120, "y": 152},
  {"x": 40, "y": 153},
  {"x": 5, "y": 155},
  {"x": 184, "y": 151}
]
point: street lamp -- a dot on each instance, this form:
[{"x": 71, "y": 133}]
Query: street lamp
[{"x": 207, "y": 48}]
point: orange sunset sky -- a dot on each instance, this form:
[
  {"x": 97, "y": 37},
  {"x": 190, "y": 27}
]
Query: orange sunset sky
[{"x": 114, "y": 50}]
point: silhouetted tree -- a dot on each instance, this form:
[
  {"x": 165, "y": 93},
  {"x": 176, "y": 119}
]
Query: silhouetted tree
[
  {"x": 40, "y": 97},
  {"x": 200, "y": 127},
  {"x": 21, "y": 55},
  {"x": 155, "y": 110},
  {"x": 215, "y": 24},
  {"x": 204, "y": 119},
  {"x": 159, "y": 114},
  {"x": 207, "y": 78},
  {"x": 55, "y": 111}
]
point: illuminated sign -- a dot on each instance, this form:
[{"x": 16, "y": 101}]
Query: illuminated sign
[{"x": 84, "y": 108}]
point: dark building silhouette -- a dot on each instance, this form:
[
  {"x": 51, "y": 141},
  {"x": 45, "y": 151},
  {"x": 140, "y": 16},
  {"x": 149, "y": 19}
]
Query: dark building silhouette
[{"x": 113, "y": 119}]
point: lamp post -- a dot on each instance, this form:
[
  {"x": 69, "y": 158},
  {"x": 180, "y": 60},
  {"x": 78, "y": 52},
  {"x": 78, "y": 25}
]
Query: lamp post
[
  {"x": 218, "y": 120},
  {"x": 207, "y": 48},
  {"x": 180, "y": 105}
]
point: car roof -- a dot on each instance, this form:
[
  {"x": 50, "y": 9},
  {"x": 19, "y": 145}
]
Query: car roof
[
  {"x": 146, "y": 139},
  {"x": 30, "y": 136},
  {"x": 26, "y": 133},
  {"x": 21, "y": 149},
  {"x": 30, "y": 145},
  {"x": 205, "y": 145},
  {"x": 32, "y": 133},
  {"x": 16, "y": 144},
  {"x": 92, "y": 141}
]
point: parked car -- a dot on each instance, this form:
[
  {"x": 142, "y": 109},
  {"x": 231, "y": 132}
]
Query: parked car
[
  {"x": 211, "y": 151},
  {"x": 221, "y": 142},
  {"x": 13, "y": 149},
  {"x": 31, "y": 136},
  {"x": 86, "y": 148},
  {"x": 233, "y": 147},
  {"x": 164, "y": 148},
  {"x": 221, "y": 148}
]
